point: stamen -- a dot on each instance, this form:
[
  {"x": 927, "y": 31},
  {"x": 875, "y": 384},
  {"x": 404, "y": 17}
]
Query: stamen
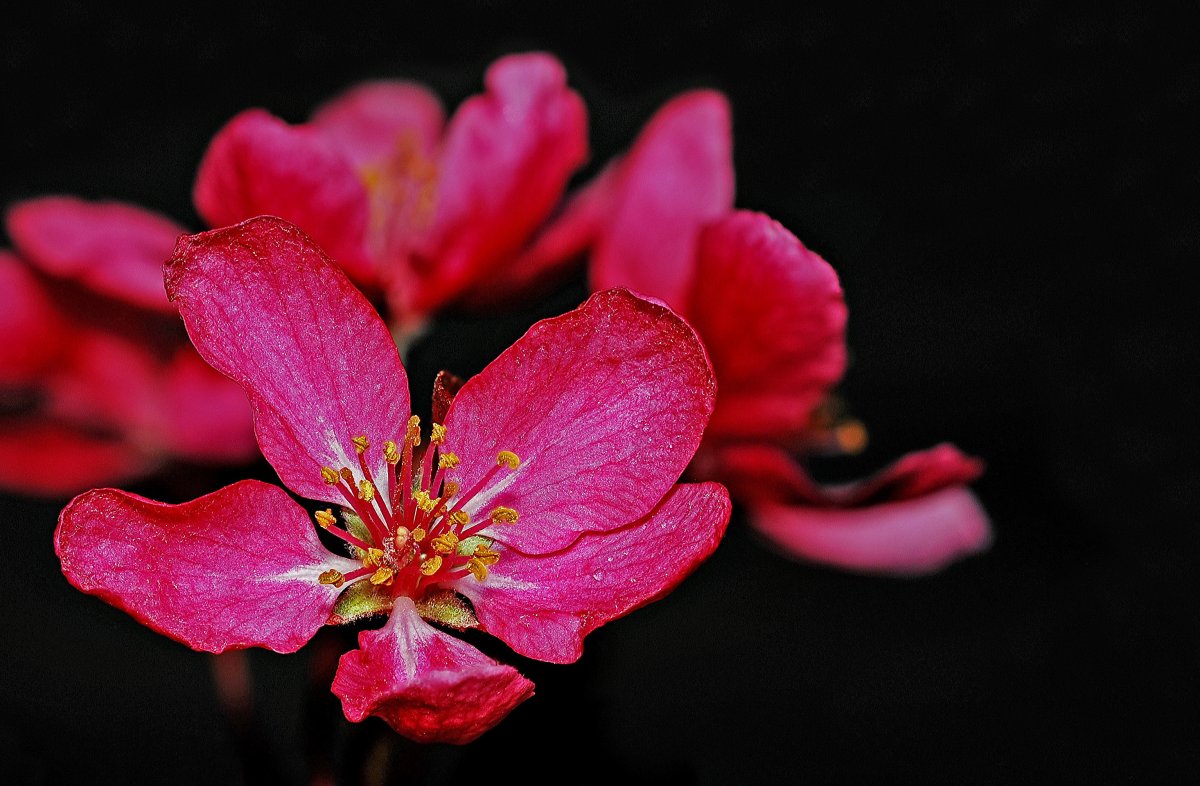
[
  {"x": 445, "y": 543},
  {"x": 402, "y": 536},
  {"x": 448, "y": 460},
  {"x": 326, "y": 518},
  {"x": 460, "y": 517},
  {"x": 366, "y": 490},
  {"x": 361, "y": 444},
  {"x": 437, "y": 434},
  {"x": 431, "y": 565},
  {"x": 449, "y": 489},
  {"x": 419, "y": 534},
  {"x": 423, "y": 501},
  {"x": 503, "y": 515},
  {"x": 507, "y": 457},
  {"x": 328, "y": 522},
  {"x": 374, "y": 558},
  {"x": 478, "y": 568},
  {"x": 382, "y": 576},
  {"x": 390, "y": 453},
  {"x": 486, "y": 555},
  {"x": 413, "y": 433},
  {"x": 330, "y": 475},
  {"x": 331, "y": 576},
  {"x": 347, "y": 475}
]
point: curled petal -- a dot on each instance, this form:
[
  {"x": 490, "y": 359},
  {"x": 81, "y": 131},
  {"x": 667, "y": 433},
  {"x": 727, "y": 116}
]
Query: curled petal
[
  {"x": 112, "y": 248},
  {"x": 236, "y": 568},
  {"x": 604, "y": 406},
  {"x": 369, "y": 120},
  {"x": 772, "y": 316},
  {"x": 678, "y": 176},
  {"x": 543, "y": 606},
  {"x": 43, "y": 457},
  {"x": 32, "y": 332},
  {"x": 267, "y": 308},
  {"x": 426, "y": 684},
  {"x": 259, "y": 165}
]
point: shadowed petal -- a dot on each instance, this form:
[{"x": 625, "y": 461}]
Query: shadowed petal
[
  {"x": 604, "y": 405},
  {"x": 426, "y": 684},
  {"x": 236, "y": 568},
  {"x": 266, "y": 307},
  {"x": 112, "y": 248},
  {"x": 42, "y": 457},
  {"x": 543, "y": 606},
  {"x": 368, "y": 121}
]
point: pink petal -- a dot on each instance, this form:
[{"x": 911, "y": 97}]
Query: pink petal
[
  {"x": 206, "y": 415},
  {"x": 236, "y": 568},
  {"x": 112, "y": 248},
  {"x": 678, "y": 176},
  {"x": 505, "y": 163},
  {"x": 543, "y": 606},
  {"x": 426, "y": 684},
  {"x": 32, "y": 332},
  {"x": 267, "y": 308},
  {"x": 604, "y": 405},
  {"x": 911, "y": 537},
  {"x": 913, "y": 475},
  {"x": 42, "y": 457},
  {"x": 773, "y": 319},
  {"x": 259, "y": 165},
  {"x": 367, "y": 121}
]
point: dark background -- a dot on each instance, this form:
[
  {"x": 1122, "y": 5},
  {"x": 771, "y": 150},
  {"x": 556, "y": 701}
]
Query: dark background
[{"x": 1009, "y": 197}]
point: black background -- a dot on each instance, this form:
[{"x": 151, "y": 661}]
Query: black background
[{"x": 1009, "y": 197}]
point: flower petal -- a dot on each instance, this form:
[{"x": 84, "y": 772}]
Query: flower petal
[
  {"x": 505, "y": 163},
  {"x": 772, "y": 316},
  {"x": 543, "y": 606},
  {"x": 367, "y": 121},
  {"x": 678, "y": 176},
  {"x": 32, "y": 331},
  {"x": 426, "y": 684},
  {"x": 910, "y": 537},
  {"x": 267, "y": 308},
  {"x": 259, "y": 165},
  {"x": 205, "y": 416},
  {"x": 604, "y": 405},
  {"x": 236, "y": 568},
  {"x": 112, "y": 248},
  {"x": 43, "y": 457}
]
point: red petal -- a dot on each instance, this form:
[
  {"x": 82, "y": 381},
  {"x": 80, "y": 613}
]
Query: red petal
[
  {"x": 236, "y": 568},
  {"x": 112, "y": 248},
  {"x": 47, "y": 458},
  {"x": 773, "y": 319},
  {"x": 259, "y": 165},
  {"x": 32, "y": 332},
  {"x": 267, "y": 308},
  {"x": 367, "y": 121},
  {"x": 604, "y": 405},
  {"x": 505, "y": 163},
  {"x": 426, "y": 684},
  {"x": 543, "y": 606},
  {"x": 678, "y": 176},
  {"x": 206, "y": 417}
]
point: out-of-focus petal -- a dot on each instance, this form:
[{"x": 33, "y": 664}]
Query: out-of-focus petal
[
  {"x": 604, "y": 405},
  {"x": 267, "y": 308},
  {"x": 426, "y": 684},
  {"x": 42, "y": 457},
  {"x": 369, "y": 120},
  {"x": 772, "y": 316},
  {"x": 206, "y": 416},
  {"x": 32, "y": 332},
  {"x": 506, "y": 159},
  {"x": 543, "y": 606},
  {"x": 112, "y": 248},
  {"x": 236, "y": 568},
  {"x": 259, "y": 165},
  {"x": 678, "y": 176}
]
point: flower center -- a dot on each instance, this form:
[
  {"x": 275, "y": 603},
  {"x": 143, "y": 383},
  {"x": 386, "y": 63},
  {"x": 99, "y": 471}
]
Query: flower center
[
  {"x": 403, "y": 195},
  {"x": 422, "y": 535}
]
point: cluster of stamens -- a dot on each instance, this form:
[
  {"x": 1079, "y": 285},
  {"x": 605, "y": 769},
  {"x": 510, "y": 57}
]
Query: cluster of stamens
[{"x": 418, "y": 537}]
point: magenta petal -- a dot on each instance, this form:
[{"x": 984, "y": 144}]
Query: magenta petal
[
  {"x": 604, "y": 405},
  {"x": 505, "y": 163},
  {"x": 773, "y": 319},
  {"x": 267, "y": 308},
  {"x": 426, "y": 684},
  {"x": 369, "y": 121},
  {"x": 236, "y": 568},
  {"x": 114, "y": 249},
  {"x": 47, "y": 458},
  {"x": 259, "y": 165},
  {"x": 543, "y": 606},
  {"x": 678, "y": 176},
  {"x": 910, "y": 537},
  {"x": 206, "y": 416},
  {"x": 32, "y": 332}
]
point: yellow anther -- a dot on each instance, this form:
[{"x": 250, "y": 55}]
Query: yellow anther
[
  {"x": 424, "y": 502},
  {"x": 347, "y": 475},
  {"x": 402, "y": 536},
  {"x": 851, "y": 436},
  {"x": 478, "y": 568},
  {"x": 361, "y": 443},
  {"x": 445, "y": 543},
  {"x": 374, "y": 558},
  {"x": 449, "y": 489},
  {"x": 460, "y": 517},
  {"x": 507, "y": 457},
  {"x": 366, "y": 490},
  {"x": 333, "y": 577},
  {"x": 486, "y": 555},
  {"x": 330, "y": 475},
  {"x": 382, "y": 576},
  {"x": 437, "y": 434},
  {"x": 431, "y": 565},
  {"x": 418, "y": 534},
  {"x": 448, "y": 460},
  {"x": 326, "y": 518},
  {"x": 391, "y": 454},
  {"x": 413, "y": 433},
  {"x": 503, "y": 515}
]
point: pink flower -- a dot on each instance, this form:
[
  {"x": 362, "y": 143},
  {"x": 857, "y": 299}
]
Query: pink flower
[
  {"x": 97, "y": 382},
  {"x": 772, "y": 316},
  {"x": 543, "y": 505},
  {"x": 431, "y": 211}
]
